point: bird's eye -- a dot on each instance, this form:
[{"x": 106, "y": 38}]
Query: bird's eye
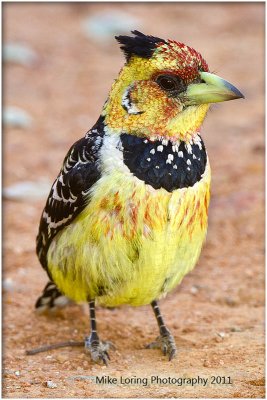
[
  {"x": 170, "y": 83},
  {"x": 166, "y": 82}
]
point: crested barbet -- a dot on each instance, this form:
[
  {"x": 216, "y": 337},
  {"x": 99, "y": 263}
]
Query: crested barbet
[{"x": 127, "y": 215}]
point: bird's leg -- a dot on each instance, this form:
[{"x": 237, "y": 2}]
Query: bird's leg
[
  {"x": 97, "y": 349},
  {"x": 165, "y": 341}
]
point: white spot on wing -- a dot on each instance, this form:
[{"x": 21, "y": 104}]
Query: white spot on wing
[
  {"x": 60, "y": 179},
  {"x": 54, "y": 225},
  {"x": 55, "y": 194}
]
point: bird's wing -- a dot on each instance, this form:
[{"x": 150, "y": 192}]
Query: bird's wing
[{"x": 69, "y": 193}]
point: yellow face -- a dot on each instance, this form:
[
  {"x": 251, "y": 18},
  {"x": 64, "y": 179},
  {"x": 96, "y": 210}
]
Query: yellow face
[
  {"x": 148, "y": 98},
  {"x": 163, "y": 91}
]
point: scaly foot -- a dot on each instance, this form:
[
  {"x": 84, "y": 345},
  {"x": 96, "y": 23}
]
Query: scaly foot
[
  {"x": 166, "y": 343},
  {"x": 98, "y": 349}
]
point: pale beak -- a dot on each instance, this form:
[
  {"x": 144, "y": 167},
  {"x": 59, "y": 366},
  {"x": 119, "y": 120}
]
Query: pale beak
[{"x": 213, "y": 89}]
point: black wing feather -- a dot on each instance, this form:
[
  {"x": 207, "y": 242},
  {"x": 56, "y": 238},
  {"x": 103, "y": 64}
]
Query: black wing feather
[{"x": 68, "y": 195}]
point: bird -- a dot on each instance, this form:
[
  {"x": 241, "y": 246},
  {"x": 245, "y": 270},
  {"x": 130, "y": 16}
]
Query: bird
[{"x": 127, "y": 215}]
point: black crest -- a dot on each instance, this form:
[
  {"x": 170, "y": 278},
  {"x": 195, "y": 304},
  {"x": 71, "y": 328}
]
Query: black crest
[{"x": 140, "y": 45}]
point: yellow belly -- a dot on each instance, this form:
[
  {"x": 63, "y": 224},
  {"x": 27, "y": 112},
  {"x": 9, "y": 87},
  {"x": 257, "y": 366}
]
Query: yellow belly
[{"x": 131, "y": 244}]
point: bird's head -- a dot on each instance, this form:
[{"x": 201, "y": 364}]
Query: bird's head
[{"x": 164, "y": 90}]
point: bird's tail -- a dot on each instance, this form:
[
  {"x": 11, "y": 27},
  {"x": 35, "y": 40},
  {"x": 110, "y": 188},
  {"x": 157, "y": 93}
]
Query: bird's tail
[{"x": 51, "y": 299}]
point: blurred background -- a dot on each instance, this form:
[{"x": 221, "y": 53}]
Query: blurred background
[{"x": 59, "y": 61}]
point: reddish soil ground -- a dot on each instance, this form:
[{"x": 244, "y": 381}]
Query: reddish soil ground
[{"x": 217, "y": 314}]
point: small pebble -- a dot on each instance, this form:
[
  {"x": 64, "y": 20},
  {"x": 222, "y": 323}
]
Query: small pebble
[
  {"x": 27, "y": 190},
  {"x": 105, "y": 24},
  {"x": 222, "y": 334},
  {"x": 8, "y": 284},
  {"x": 19, "y": 54},
  {"x": 206, "y": 364},
  {"x": 15, "y": 117},
  {"x": 17, "y": 373},
  {"x": 231, "y": 301},
  {"x": 235, "y": 329},
  {"x": 194, "y": 290},
  {"x": 51, "y": 385}
]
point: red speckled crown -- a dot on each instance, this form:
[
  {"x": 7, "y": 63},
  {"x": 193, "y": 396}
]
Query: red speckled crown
[{"x": 187, "y": 60}]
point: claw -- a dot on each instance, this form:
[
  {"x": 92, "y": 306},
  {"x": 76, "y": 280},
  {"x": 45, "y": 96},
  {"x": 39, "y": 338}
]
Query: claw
[
  {"x": 110, "y": 345},
  {"x": 104, "y": 359},
  {"x": 153, "y": 345},
  {"x": 172, "y": 354},
  {"x": 98, "y": 350},
  {"x": 167, "y": 345}
]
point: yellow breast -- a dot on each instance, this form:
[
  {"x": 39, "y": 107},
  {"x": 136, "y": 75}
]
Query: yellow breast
[{"x": 132, "y": 243}]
